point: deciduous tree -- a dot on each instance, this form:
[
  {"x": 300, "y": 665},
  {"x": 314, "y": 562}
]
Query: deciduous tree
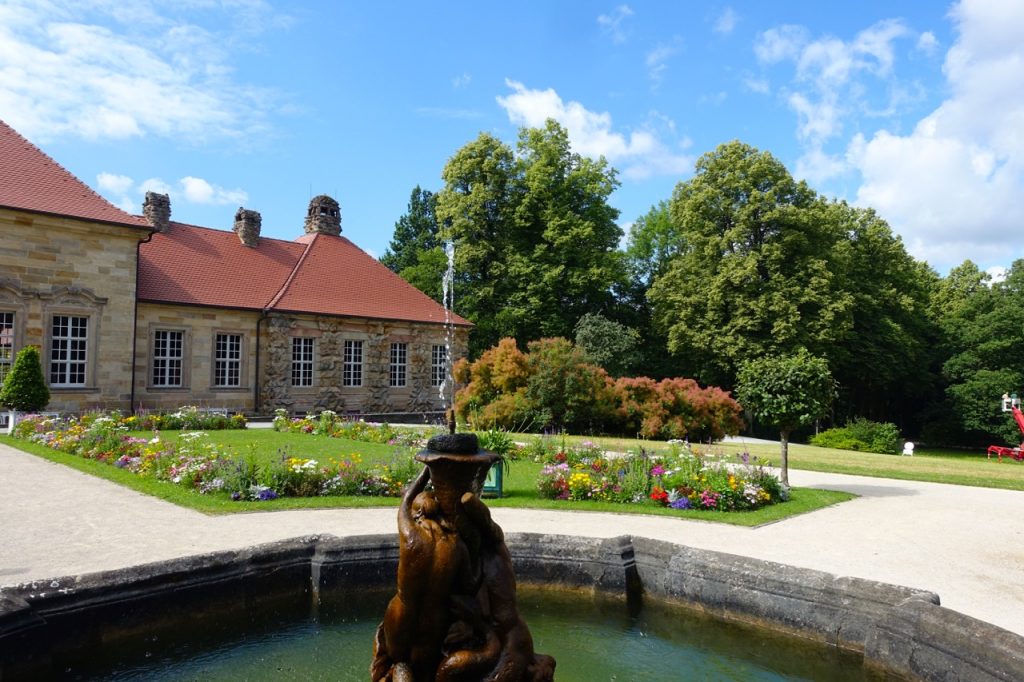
[
  {"x": 753, "y": 276},
  {"x": 535, "y": 236},
  {"x": 786, "y": 392}
]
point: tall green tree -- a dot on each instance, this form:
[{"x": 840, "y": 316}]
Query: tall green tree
[
  {"x": 984, "y": 330},
  {"x": 415, "y": 232},
  {"x": 608, "y": 344},
  {"x": 883, "y": 361},
  {"x": 415, "y": 252},
  {"x": 787, "y": 392},
  {"x": 753, "y": 275},
  {"x": 536, "y": 240},
  {"x": 654, "y": 241}
]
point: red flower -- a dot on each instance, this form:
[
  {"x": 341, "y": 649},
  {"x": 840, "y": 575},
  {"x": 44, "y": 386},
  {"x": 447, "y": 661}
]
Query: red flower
[{"x": 660, "y": 496}]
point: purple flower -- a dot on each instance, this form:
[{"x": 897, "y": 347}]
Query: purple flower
[
  {"x": 236, "y": 496},
  {"x": 658, "y": 470},
  {"x": 681, "y": 503},
  {"x": 266, "y": 494}
]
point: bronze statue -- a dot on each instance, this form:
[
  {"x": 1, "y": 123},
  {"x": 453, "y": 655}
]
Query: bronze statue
[{"x": 454, "y": 618}]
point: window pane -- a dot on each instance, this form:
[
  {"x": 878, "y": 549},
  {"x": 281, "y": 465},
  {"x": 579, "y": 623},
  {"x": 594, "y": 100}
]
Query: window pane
[
  {"x": 168, "y": 346},
  {"x": 302, "y": 362},
  {"x": 68, "y": 350},
  {"x": 398, "y": 364},
  {"x": 352, "y": 371},
  {"x": 227, "y": 361},
  {"x": 438, "y": 365},
  {"x": 6, "y": 343}
]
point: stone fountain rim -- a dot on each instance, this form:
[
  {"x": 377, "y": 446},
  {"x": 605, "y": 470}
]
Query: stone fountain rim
[{"x": 896, "y": 630}]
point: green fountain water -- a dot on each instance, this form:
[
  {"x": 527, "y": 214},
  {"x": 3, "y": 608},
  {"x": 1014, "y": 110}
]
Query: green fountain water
[{"x": 593, "y": 638}]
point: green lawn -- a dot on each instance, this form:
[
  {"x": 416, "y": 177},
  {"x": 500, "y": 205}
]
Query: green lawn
[
  {"x": 940, "y": 466},
  {"x": 519, "y": 483}
]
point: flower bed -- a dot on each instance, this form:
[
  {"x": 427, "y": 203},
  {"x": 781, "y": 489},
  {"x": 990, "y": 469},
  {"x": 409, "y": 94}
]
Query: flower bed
[
  {"x": 681, "y": 479},
  {"x": 328, "y": 423},
  {"x": 196, "y": 464}
]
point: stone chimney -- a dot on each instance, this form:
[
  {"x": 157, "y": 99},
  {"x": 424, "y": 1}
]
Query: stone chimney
[
  {"x": 247, "y": 226},
  {"x": 156, "y": 209},
  {"x": 323, "y": 216}
]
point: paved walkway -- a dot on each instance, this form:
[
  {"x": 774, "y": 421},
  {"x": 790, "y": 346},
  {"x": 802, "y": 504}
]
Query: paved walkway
[{"x": 966, "y": 544}]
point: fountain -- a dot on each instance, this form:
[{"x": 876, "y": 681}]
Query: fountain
[{"x": 455, "y": 615}]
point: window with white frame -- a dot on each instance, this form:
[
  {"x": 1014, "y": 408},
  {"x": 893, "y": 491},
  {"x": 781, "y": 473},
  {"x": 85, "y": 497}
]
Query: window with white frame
[
  {"x": 352, "y": 370},
  {"x": 69, "y": 345},
  {"x": 399, "y": 364},
  {"x": 438, "y": 365},
  {"x": 168, "y": 352},
  {"x": 6, "y": 344},
  {"x": 302, "y": 361},
  {"x": 227, "y": 360}
]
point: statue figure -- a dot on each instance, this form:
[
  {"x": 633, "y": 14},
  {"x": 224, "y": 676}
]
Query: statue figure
[{"x": 454, "y": 617}]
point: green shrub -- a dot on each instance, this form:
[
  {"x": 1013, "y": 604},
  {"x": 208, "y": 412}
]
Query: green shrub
[
  {"x": 25, "y": 388},
  {"x": 863, "y": 435}
]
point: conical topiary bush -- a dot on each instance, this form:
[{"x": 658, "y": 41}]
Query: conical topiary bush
[{"x": 25, "y": 388}]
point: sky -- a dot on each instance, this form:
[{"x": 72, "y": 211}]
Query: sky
[{"x": 915, "y": 109}]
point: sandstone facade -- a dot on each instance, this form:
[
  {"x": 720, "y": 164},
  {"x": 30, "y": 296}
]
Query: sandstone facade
[
  {"x": 55, "y": 267},
  {"x": 267, "y": 362}
]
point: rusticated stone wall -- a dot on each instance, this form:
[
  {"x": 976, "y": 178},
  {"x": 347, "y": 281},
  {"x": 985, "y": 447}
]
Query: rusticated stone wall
[
  {"x": 375, "y": 395},
  {"x": 51, "y": 265}
]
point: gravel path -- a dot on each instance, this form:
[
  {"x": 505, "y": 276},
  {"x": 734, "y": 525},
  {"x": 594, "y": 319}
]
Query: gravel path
[{"x": 966, "y": 544}]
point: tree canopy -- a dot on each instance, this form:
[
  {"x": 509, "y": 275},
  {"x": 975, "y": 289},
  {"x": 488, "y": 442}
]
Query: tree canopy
[
  {"x": 752, "y": 276},
  {"x": 984, "y": 330},
  {"x": 786, "y": 392},
  {"x": 536, "y": 238},
  {"x": 743, "y": 262}
]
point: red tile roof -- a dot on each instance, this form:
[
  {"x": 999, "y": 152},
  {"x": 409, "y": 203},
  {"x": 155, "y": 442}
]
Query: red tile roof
[
  {"x": 32, "y": 181},
  {"x": 317, "y": 274}
]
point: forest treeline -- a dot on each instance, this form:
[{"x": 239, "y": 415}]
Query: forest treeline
[{"x": 741, "y": 262}]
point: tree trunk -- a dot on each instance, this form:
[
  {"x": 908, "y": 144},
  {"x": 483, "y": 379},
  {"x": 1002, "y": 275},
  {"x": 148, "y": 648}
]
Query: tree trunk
[{"x": 785, "y": 458}]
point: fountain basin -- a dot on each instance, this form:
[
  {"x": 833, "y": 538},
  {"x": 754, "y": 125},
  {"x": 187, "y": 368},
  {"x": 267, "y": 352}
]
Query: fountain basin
[{"x": 891, "y": 631}]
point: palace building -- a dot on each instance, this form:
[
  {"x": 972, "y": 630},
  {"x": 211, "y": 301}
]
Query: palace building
[{"x": 139, "y": 311}]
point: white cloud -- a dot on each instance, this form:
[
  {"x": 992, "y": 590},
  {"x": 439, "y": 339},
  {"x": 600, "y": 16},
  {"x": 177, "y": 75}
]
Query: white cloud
[
  {"x": 830, "y": 84},
  {"x": 656, "y": 60},
  {"x": 780, "y": 44},
  {"x": 611, "y": 24},
  {"x": 996, "y": 273},
  {"x": 115, "y": 184},
  {"x": 726, "y": 21},
  {"x": 199, "y": 191},
  {"x": 119, "y": 70},
  {"x": 927, "y": 43},
  {"x": 952, "y": 186},
  {"x": 122, "y": 191},
  {"x": 154, "y": 185},
  {"x": 640, "y": 154},
  {"x": 461, "y": 81}
]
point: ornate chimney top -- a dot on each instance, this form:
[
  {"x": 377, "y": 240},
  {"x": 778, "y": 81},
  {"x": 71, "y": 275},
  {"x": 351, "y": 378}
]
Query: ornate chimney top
[
  {"x": 247, "y": 226},
  {"x": 156, "y": 209},
  {"x": 323, "y": 216}
]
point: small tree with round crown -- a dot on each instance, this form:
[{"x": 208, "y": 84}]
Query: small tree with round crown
[
  {"x": 787, "y": 392},
  {"x": 25, "y": 388}
]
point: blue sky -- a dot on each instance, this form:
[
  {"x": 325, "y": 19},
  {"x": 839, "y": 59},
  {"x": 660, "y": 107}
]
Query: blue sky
[{"x": 914, "y": 108}]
